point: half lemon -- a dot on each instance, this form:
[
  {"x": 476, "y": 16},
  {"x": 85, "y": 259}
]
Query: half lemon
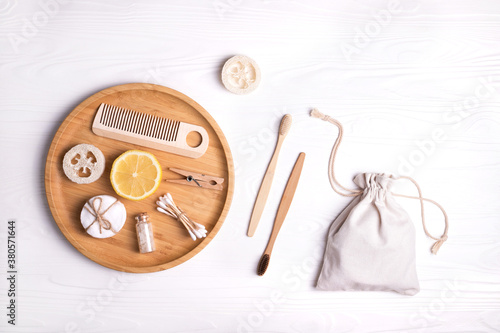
[{"x": 135, "y": 174}]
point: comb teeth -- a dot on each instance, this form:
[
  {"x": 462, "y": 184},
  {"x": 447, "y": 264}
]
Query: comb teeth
[
  {"x": 147, "y": 130},
  {"x": 139, "y": 123}
]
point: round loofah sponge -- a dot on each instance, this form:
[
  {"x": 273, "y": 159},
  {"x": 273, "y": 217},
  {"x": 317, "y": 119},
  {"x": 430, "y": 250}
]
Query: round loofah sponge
[
  {"x": 241, "y": 75},
  {"x": 83, "y": 164}
]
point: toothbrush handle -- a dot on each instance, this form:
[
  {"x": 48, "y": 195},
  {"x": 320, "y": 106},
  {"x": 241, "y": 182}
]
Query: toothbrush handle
[
  {"x": 286, "y": 201},
  {"x": 265, "y": 187}
]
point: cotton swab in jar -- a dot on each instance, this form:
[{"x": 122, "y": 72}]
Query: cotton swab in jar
[{"x": 166, "y": 205}]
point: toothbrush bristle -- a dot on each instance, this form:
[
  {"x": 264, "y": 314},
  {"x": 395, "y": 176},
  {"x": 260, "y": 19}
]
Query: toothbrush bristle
[
  {"x": 286, "y": 123},
  {"x": 263, "y": 264}
]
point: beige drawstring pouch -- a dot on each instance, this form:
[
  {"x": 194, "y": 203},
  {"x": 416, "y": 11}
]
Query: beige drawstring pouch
[{"x": 371, "y": 244}]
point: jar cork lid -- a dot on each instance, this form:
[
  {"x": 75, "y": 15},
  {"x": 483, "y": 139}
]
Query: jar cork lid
[{"x": 142, "y": 218}]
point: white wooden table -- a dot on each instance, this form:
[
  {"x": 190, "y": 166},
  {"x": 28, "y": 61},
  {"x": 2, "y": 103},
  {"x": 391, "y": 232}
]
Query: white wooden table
[{"x": 394, "y": 72}]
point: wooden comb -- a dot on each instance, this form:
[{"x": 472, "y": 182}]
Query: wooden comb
[{"x": 147, "y": 130}]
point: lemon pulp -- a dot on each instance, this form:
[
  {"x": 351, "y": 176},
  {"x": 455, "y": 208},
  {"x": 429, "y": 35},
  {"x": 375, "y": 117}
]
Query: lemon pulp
[{"x": 135, "y": 174}]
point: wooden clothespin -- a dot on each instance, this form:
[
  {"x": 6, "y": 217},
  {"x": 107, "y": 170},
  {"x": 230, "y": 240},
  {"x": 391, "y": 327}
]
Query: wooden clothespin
[{"x": 197, "y": 179}]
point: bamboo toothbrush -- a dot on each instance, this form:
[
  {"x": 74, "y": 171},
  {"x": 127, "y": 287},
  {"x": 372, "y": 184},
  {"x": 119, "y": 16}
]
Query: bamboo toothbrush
[
  {"x": 260, "y": 202},
  {"x": 286, "y": 200}
]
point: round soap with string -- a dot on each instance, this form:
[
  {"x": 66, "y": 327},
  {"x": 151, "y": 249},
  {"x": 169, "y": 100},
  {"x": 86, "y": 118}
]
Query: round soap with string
[{"x": 103, "y": 216}]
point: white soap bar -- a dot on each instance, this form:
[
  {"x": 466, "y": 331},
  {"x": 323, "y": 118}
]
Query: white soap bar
[
  {"x": 240, "y": 75},
  {"x": 103, "y": 216}
]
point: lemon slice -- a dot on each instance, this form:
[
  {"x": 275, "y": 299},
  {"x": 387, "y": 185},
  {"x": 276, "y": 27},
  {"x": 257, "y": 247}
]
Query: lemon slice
[{"x": 135, "y": 174}]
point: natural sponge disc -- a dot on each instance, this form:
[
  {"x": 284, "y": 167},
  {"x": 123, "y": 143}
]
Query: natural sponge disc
[
  {"x": 241, "y": 75},
  {"x": 83, "y": 164},
  {"x": 103, "y": 216}
]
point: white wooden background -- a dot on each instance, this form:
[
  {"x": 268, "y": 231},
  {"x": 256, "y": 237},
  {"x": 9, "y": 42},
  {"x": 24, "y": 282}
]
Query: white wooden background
[{"x": 394, "y": 72}]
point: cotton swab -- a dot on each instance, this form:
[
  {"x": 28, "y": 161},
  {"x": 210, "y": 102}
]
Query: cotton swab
[{"x": 166, "y": 205}]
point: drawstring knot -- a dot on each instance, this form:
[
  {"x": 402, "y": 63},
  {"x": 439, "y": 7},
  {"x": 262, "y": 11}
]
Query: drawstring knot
[
  {"x": 437, "y": 245},
  {"x": 316, "y": 114}
]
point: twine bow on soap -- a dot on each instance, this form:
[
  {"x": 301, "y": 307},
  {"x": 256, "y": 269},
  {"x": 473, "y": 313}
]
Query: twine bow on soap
[{"x": 99, "y": 216}]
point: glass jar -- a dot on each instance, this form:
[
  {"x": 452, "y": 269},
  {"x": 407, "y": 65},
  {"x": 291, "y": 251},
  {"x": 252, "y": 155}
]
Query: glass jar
[{"x": 144, "y": 229}]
